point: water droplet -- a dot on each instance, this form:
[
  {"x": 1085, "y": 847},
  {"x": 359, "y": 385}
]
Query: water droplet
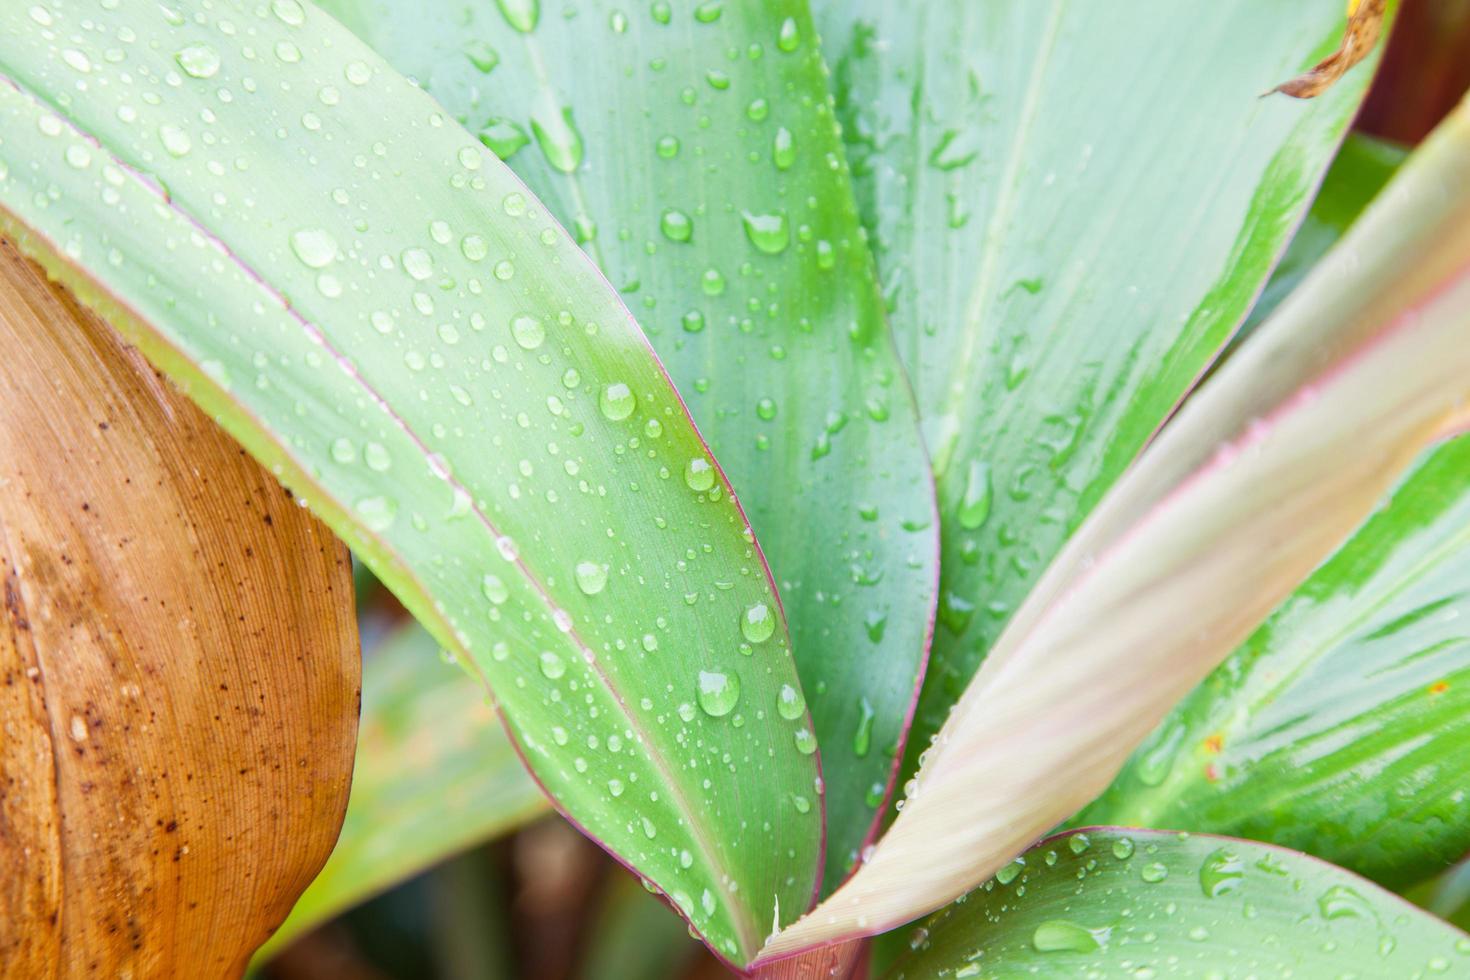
[
  {"x": 693, "y": 321},
  {"x": 481, "y": 55},
  {"x": 712, "y": 282},
  {"x": 757, "y": 623},
  {"x": 1008, "y": 872},
  {"x": 557, "y": 135},
  {"x": 862, "y": 739},
  {"x": 717, "y": 692},
  {"x": 699, "y": 475},
  {"x": 617, "y": 401},
  {"x": 789, "y": 703},
  {"x": 1062, "y": 936},
  {"x": 661, "y": 11},
  {"x": 377, "y": 513},
  {"x": 789, "y": 37},
  {"x": 494, "y": 589},
  {"x": 1341, "y": 902},
  {"x": 174, "y": 140},
  {"x": 343, "y": 451},
  {"x": 198, "y": 60},
  {"x": 1122, "y": 848},
  {"x": 1078, "y": 843},
  {"x": 417, "y": 263},
  {"x": 1221, "y": 873},
  {"x": 504, "y": 270},
  {"x": 676, "y": 225},
  {"x": 552, "y": 666},
  {"x": 767, "y": 232},
  {"x": 357, "y": 72},
  {"x": 289, "y": 12},
  {"x": 591, "y": 577},
  {"x": 514, "y": 204},
  {"x": 527, "y": 331},
  {"x": 975, "y": 504},
  {"x": 503, "y": 137},
  {"x": 783, "y": 149},
  {"x": 668, "y": 147},
  {"x": 376, "y": 457},
  {"x": 806, "y": 742},
  {"x": 521, "y": 14},
  {"x": 1154, "y": 872},
  {"x": 709, "y": 11}
]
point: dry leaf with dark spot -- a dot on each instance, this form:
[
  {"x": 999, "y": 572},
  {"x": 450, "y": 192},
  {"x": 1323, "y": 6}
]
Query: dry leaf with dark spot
[
  {"x": 179, "y": 672},
  {"x": 1365, "y": 23}
]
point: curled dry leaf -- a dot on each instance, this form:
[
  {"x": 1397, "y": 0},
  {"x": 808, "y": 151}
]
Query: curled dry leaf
[
  {"x": 179, "y": 665},
  {"x": 1365, "y": 24}
]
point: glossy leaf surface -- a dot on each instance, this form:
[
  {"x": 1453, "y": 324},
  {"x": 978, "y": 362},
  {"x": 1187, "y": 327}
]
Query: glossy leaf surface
[
  {"x": 1073, "y": 206},
  {"x": 1115, "y": 902},
  {"x": 699, "y": 163},
  {"x": 375, "y": 306},
  {"x": 1339, "y": 728},
  {"x": 1358, "y": 173},
  {"x": 1261, "y": 475},
  {"x": 435, "y": 774}
]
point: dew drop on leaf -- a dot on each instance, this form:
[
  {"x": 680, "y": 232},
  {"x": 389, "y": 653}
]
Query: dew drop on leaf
[
  {"x": 717, "y": 692},
  {"x": 591, "y": 577},
  {"x": 699, "y": 475},
  {"x": 757, "y": 623},
  {"x": 617, "y": 401},
  {"x": 521, "y": 14},
  {"x": 789, "y": 703}
]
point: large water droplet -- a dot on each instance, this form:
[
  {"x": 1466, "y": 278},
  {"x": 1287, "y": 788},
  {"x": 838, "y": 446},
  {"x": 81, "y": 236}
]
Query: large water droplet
[
  {"x": 417, "y": 263},
  {"x": 1221, "y": 873},
  {"x": 699, "y": 475},
  {"x": 527, "y": 331},
  {"x": 557, "y": 135},
  {"x": 1063, "y": 936},
  {"x": 975, "y": 503},
  {"x": 315, "y": 247},
  {"x": 198, "y": 60},
  {"x": 767, "y": 232},
  {"x": 789, "y": 703},
  {"x": 862, "y": 739},
  {"x": 617, "y": 401},
  {"x": 494, "y": 589},
  {"x": 1341, "y": 902},
  {"x": 552, "y": 666},
  {"x": 503, "y": 137},
  {"x": 757, "y": 623},
  {"x": 789, "y": 37},
  {"x": 783, "y": 149},
  {"x": 676, "y": 225},
  {"x": 521, "y": 14},
  {"x": 717, "y": 692},
  {"x": 591, "y": 577}
]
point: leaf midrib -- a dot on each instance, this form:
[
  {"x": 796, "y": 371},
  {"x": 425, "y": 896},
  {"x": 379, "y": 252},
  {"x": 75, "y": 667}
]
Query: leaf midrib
[{"x": 744, "y": 925}]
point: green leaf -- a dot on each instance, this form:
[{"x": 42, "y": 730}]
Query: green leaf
[
  {"x": 1358, "y": 173},
  {"x": 435, "y": 774},
  {"x": 370, "y": 302},
  {"x": 1115, "y": 902},
  {"x": 710, "y": 186},
  {"x": 1257, "y": 479},
  {"x": 1339, "y": 727},
  {"x": 1073, "y": 207}
]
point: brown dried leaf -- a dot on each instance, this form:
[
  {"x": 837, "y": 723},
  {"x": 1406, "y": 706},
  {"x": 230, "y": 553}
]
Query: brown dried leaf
[
  {"x": 1365, "y": 24},
  {"x": 178, "y": 666}
]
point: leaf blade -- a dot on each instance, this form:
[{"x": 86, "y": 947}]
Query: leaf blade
[
  {"x": 1341, "y": 687},
  {"x": 1033, "y": 257},
  {"x": 777, "y": 336},
  {"x": 265, "y": 306},
  {"x": 1112, "y": 899},
  {"x": 1187, "y": 555}
]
